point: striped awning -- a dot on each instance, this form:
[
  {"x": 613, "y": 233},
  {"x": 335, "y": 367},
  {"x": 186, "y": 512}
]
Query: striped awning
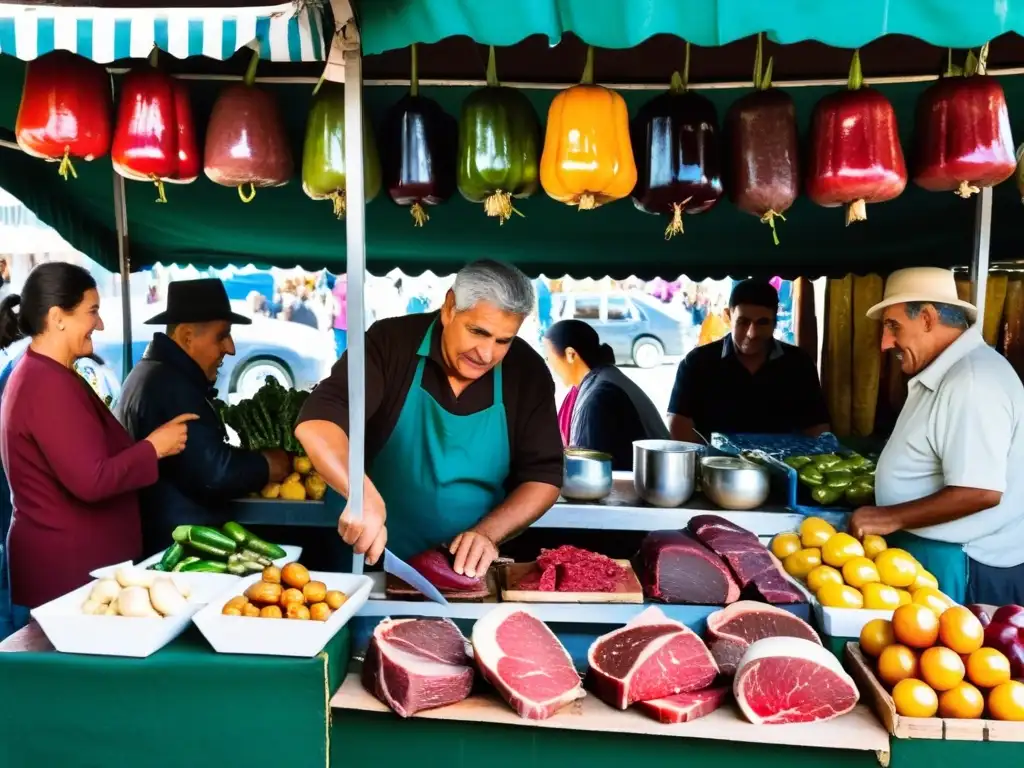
[{"x": 292, "y": 31}]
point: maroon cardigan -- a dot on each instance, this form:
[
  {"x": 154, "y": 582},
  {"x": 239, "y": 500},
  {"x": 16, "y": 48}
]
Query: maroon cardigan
[{"x": 74, "y": 473}]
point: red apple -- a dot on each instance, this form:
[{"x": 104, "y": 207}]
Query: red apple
[
  {"x": 1008, "y": 640},
  {"x": 981, "y": 613},
  {"x": 1009, "y": 614}
]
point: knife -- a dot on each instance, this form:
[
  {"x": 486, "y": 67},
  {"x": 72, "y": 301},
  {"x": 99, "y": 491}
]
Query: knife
[{"x": 400, "y": 569}]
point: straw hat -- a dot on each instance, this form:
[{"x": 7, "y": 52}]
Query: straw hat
[{"x": 930, "y": 285}]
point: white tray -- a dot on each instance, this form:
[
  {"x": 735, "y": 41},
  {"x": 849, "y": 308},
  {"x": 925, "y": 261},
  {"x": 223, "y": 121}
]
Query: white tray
[
  {"x": 846, "y": 622},
  {"x": 280, "y": 637},
  {"x": 70, "y": 631},
  {"x": 292, "y": 554}
]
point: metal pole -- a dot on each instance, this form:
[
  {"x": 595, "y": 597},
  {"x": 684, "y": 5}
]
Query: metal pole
[
  {"x": 355, "y": 269},
  {"x": 979, "y": 260},
  {"x": 124, "y": 263}
]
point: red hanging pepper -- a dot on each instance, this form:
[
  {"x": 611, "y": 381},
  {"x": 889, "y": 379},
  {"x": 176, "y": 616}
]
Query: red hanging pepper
[
  {"x": 65, "y": 110},
  {"x": 855, "y": 155},
  {"x": 962, "y": 135}
]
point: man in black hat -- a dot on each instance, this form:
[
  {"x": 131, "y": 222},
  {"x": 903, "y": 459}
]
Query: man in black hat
[{"x": 176, "y": 375}]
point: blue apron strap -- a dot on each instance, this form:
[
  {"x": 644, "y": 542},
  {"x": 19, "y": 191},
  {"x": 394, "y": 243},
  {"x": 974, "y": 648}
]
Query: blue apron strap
[{"x": 499, "y": 391}]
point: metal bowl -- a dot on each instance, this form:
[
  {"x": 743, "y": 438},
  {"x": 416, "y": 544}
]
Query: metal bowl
[
  {"x": 587, "y": 475},
  {"x": 734, "y": 483},
  {"x": 665, "y": 471}
]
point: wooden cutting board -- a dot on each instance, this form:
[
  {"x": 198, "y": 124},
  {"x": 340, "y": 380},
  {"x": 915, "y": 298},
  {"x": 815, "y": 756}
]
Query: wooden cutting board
[
  {"x": 396, "y": 589},
  {"x": 628, "y": 591}
]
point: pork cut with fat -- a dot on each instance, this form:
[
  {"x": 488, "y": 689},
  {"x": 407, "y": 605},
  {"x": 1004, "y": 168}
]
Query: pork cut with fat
[
  {"x": 684, "y": 707},
  {"x": 792, "y": 680},
  {"x": 677, "y": 568},
  {"x": 517, "y": 654},
  {"x": 734, "y": 628},
  {"x": 649, "y": 658},
  {"x": 417, "y": 664}
]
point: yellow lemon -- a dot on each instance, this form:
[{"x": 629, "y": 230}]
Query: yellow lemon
[
  {"x": 933, "y": 598},
  {"x": 801, "y": 563},
  {"x": 896, "y": 567},
  {"x": 873, "y": 545},
  {"x": 905, "y": 597},
  {"x": 924, "y": 579},
  {"x": 879, "y": 597},
  {"x": 822, "y": 575},
  {"x": 814, "y": 532},
  {"x": 840, "y": 596},
  {"x": 859, "y": 571},
  {"x": 840, "y": 549},
  {"x": 785, "y": 544}
]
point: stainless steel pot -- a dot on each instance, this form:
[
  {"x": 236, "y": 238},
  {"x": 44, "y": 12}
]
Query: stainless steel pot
[
  {"x": 734, "y": 483},
  {"x": 665, "y": 471},
  {"x": 587, "y": 475}
]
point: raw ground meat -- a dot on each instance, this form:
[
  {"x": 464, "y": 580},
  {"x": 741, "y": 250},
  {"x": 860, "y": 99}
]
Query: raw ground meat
[
  {"x": 571, "y": 569},
  {"x": 675, "y": 567},
  {"x": 684, "y": 707},
  {"x": 733, "y": 629}
]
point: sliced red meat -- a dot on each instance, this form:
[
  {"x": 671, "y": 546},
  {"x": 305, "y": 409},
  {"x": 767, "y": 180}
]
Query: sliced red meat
[
  {"x": 649, "y": 658},
  {"x": 684, "y": 707},
  {"x": 792, "y": 680},
  {"x": 676, "y": 568},
  {"x": 517, "y": 653},
  {"x": 775, "y": 586},
  {"x": 735, "y": 628},
  {"x": 436, "y": 567}
]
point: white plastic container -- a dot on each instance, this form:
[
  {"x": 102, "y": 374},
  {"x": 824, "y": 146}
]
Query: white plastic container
[
  {"x": 846, "y": 622},
  {"x": 292, "y": 554},
  {"x": 280, "y": 637},
  {"x": 71, "y": 631}
]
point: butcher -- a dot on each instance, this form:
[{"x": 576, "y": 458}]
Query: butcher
[
  {"x": 948, "y": 486},
  {"x": 463, "y": 447}
]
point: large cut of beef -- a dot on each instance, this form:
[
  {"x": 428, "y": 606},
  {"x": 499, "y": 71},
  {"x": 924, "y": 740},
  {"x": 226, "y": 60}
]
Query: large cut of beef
[
  {"x": 649, "y": 658},
  {"x": 734, "y": 628},
  {"x": 676, "y": 568},
  {"x": 416, "y": 664},
  {"x": 571, "y": 569},
  {"x": 684, "y": 707},
  {"x": 792, "y": 680},
  {"x": 754, "y": 565},
  {"x": 517, "y": 654}
]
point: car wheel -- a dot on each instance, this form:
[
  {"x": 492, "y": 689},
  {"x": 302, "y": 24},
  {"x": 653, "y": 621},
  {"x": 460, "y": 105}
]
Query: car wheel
[
  {"x": 255, "y": 372},
  {"x": 647, "y": 352}
]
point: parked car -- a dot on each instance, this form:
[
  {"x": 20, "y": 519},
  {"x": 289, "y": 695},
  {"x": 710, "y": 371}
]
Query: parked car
[{"x": 639, "y": 329}]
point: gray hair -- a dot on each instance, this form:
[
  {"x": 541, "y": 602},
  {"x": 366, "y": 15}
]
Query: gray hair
[
  {"x": 949, "y": 315},
  {"x": 499, "y": 284}
]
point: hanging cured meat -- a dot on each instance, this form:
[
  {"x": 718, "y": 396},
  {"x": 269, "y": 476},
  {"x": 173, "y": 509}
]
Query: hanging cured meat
[
  {"x": 154, "y": 137},
  {"x": 499, "y": 146},
  {"x": 246, "y": 144},
  {"x": 675, "y": 136},
  {"x": 855, "y": 156},
  {"x": 419, "y": 144},
  {"x": 323, "y": 152},
  {"x": 587, "y": 159},
  {"x": 962, "y": 138},
  {"x": 65, "y": 110},
  {"x": 764, "y": 175}
]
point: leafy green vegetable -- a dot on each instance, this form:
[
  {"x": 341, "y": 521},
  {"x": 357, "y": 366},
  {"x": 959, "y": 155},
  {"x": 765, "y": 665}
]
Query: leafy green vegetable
[{"x": 267, "y": 419}]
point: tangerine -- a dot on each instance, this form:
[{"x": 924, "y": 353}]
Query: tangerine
[
  {"x": 1006, "y": 701},
  {"x": 960, "y": 630},
  {"x": 876, "y": 636},
  {"x": 897, "y": 567},
  {"x": 915, "y": 625},
  {"x": 914, "y": 698},
  {"x": 963, "y": 701},
  {"x": 988, "y": 668},
  {"x": 942, "y": 668},
  {"x": 896, "y": 663}
]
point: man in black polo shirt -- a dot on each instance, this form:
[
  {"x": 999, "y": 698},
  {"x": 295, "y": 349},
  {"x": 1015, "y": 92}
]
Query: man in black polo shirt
[{"x": 747, "y": 382}]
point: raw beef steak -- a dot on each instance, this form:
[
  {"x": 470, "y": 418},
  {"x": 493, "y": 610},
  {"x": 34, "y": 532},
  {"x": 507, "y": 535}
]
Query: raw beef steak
[
  {"x": 733, "y": 629},
  {"x": 517, "y": 653},
  {"x": 676, "y": 568},
  {"x": 649, "y": 658},
  {"x": 792, "y": 680},
  {"x": 417, "y": 664},
  {"x": 684, "y": 707}
]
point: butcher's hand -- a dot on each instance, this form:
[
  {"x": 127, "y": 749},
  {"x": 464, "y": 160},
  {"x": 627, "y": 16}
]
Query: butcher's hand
[
  {"x": 868, "y": 521},
  {"x": 368, "y": 535},
  {"x": 474, "y": 552}
]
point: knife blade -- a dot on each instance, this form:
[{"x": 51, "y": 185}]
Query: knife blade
[{"x": 400, "y": 569}]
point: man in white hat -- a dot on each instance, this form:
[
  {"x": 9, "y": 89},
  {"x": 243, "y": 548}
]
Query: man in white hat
[{"x": 944, "y": 486}]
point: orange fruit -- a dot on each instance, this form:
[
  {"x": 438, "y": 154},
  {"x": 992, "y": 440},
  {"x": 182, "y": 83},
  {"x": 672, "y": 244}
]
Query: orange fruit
[
  {"x": 802, "y": 562},
  {"x": 895, "y": 663},
  {"x": 942, "y": 668},
  {"x": 932, "y": 598},
  {"x": 814, "y": 532},
  {"x": 873, "y": 545},
  {"x": 915, "y": 625},
  {"x": 839, "y": 596},
  {"x": 879, "y": 597},
  {"x": 988, "y": 668},
  {"x": 960, "y": 630},
  {"x": 963, "y": 701},
  {"x": 914, "y": 698},
  {"x": 924, "y": 579},
  {"x": 905, "y": 597},
  {"x": 859, "y": 571},
  {"x": 785, "y": 544},
  {"x": 876, "y": 636},
  {"x": 896, "y": 567},
  {"x": 840, "y": 549},
  {"x": 822, "y": 575},
  {"x": 1006, "y": 701}
]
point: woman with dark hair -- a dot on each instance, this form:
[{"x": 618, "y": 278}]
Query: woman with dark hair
[
  {"x": 72, "y": 468},
  {"x": 608, "y": 411}
]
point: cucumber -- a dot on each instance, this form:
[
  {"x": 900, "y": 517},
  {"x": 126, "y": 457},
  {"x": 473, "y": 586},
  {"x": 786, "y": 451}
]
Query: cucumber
[
  {"x": 172, "y": 555},
  {"x": 236, "y": 532},
  {"x": 184, "y": 562},
  {"x": 212, "y": 537},
  {"x": 248, "y": 554},
  {"x": 206, "y": 566},
  {"x": 260, "y": 547}
]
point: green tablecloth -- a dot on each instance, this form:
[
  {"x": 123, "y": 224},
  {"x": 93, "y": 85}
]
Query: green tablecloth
[{"x": 183, "y": 707}]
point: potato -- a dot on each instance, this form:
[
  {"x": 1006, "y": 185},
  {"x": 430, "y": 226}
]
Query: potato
[
  {"x": 335, "y": 599},
  {"x": 295, "y": 575},
  {"x": 231, "y": 610},
  {"x": 272, "y": 574},
  {"x": 270, "y": 612},
  {"x": 296, "y": 611},
  {"x": 264, "y": 592},
  {"x": 93, "y": 607},
  {"x": 314, "y": 591},
  {"x": 238, "y": 602},
  {"x": 290, "y": 596},
  {"x": 250, "y": 610},
  {"x": 319, "y": 611}
]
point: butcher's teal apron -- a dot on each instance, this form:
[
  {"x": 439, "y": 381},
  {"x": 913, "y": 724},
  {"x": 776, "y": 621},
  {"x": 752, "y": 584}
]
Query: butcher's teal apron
[
  {"x": 947, "y": 562},
  {"x": 439, "y": 473}
]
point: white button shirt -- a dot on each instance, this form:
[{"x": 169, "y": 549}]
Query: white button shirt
[{"x": 962, "y": 426}]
